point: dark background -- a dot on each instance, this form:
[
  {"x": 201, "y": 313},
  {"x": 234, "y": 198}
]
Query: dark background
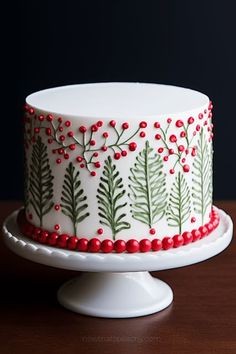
[{"x": 186, "y": 43}]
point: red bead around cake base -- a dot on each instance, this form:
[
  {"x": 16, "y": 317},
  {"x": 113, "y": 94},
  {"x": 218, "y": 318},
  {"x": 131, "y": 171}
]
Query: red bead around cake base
[{"x": 94, "y": 245}]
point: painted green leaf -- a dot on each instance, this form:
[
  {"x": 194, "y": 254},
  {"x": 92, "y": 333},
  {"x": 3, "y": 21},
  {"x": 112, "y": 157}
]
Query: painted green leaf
[
  {"x": 202, "y": 177},
  {"x": 179, "y": 205},
  {"x": 148, "y": 187},
  {"x": 73, "y": 198},
  {"x": 40, "y": 180},
  {"x": 110, "y": 194}
]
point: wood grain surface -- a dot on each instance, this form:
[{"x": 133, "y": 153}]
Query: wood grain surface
[{"x": 202, "y": 318}]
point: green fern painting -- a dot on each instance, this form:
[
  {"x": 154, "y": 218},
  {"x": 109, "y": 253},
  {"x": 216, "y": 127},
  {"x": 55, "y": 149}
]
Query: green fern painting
[
  {"x": 179, "y": 205},
  {"x": 110, "y": 194},
  {"x": 202, "y": 177},
  {"x": 148, "y": 187},
  {"x": 73, "y": 198},
  {"x": 40, "y": 181}
]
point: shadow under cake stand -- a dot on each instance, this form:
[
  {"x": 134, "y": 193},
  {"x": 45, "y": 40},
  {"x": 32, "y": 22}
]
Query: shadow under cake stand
[{"x": 117, "y": 285}]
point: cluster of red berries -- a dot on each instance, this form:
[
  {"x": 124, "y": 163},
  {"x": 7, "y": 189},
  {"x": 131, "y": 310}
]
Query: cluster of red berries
[{"x": 119, "y": 246}]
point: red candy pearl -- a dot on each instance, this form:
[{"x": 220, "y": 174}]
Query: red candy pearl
[
  {"x": 143, "y": 125},
  {"x": 190, "y": 120},
  {"x": 113, "y": 123},
  {"x": 36, "y": 233},
  {"x": 82, "y": 129},
  {"x": 203, "y": 230},
  {"x": 72, "y": 243},
  {"x": 124, "y": 153},
  {"x": 132, "y": 146},
  {"x": 82, "y": 245},
  {"x": 173, "y": 138},
  {"x": 94, "y": 245},
  {"x": 188, "y": 237},
  {"x": 72, "y": 146},
  {"x": 167, "y": 243},
  {"x": 178, "y": 241},
  {"x": 125, "y": 125},
  {"x": 196, "y": 235},
  {"x": 67, "y": 123},
  {"x": 156, "y": 244},
  {"x": 52, "y": 239},
  {"x": 179, "y": 123},
  {"x": 117, "y": 156},
  {"x": 186, "y": 168},
  {"x": 132, "y": 246},
  {"x": 107, "y": 246},
  {"x": 209, "y": 227},
  {"x": 145, "y": 245},
  {"x": 157, "y": 125},
  {"x": 119, "y": 246},
  {"x": 43, "y": 237}
]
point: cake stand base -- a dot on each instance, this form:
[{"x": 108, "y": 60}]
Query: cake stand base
[
  {"x": 117, "y": 294},
  {"x": 117, "y": 285}
]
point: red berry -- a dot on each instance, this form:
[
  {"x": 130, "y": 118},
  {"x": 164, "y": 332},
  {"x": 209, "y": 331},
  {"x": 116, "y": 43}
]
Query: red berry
[
  {"x": 95, "y": 154},
  {"x": 143, "y": 124},
  {"x": 142, "y": 134},
  {"x": 94, "y": 128},
  {"x": 36, "y": 130},
  {"x": 186, "y": 151},
  {"x": 198, "y": 128},
  {"x": 48, "y": 131},
  {"x": 165, "y": 158},
  {"x": 167, "y": 243},
  {"x": 31, "y": 111},
  {"x": 97, "y": 164},
  {"x": 172, "y": 171},
  {"x": 105, "y": 135},
  {"x": 117, "y": 156},
  {"x": 79, "y": 158},
  {"x": 70, "y": 134},
  {"x": 145, "y": 245},
  {"x": 92, "y": 142},
  {"x": 66, "y": 156},
  {"x": 183, "y": 160},
  {"x": 58, "y": 161},
  {"x": 57, "y": 227},
  {"x": 61, "y": 129},
  {"x": 152, "y": 231},
  {"x": 49, "y": 117},
  {"x": 158, "y": 136},
  {"x": 169, "y": 120},
  {"x": 93, "y": 173},
  {"x": 193, "y": 153},
  {"x": 124, "y": 153},
  {"x": 160, "y": 150},
  {"x": 157, "y": 125},
  {"x": 72, "y": 146},
  {"x": 194, "y": 133},
  {"x": 125, "y": 125},
  {"x": 57, "y": 207},
  {"x": 113, "y": 123},
  {"x": 119, "y": 246},
  {"x": 181, "y": 148},
  {"x": 188, "y": 237},
  {"x": 132, "y": 146},
  {"x": 178, "y": 241},
  {"x": 43, "y": 237},
  {"x": 182, "y": 134},
  {"x": 179, "y": 123},
  {"x": 104, "y": 148},
  {"x": 94, "y": 245},
  {"x": 200, "y": 116},
  {"x": 203, "y": 230},
  {"x": 99, "y": 123},
  {"x": 82, "y": 129},
  {"x": 41, "y": 118},
  {"x": 171, "y": 151},
  {"x": 36, "y": 233},
  {"x": 62, "y": 241},
  {"x": 186, "y": 168},
  {"x": 156, "y": 244},
  {"x": 193, "y": 219},
  {"x": 72, "y": 243},
  {"x": 67, "y": 123},
  {"x": 190, "y": 120},
  {"x": 107, "y": 246},
  {"x": 62, "y": 137},
  {"x": 100, "y": 231},
  {"x": 59, "y": 120},
  {"x": 196, "y": 235},
  {"x": 52, "y": 239},
  {"x": 132, "y": 246},
  {"x": 209, "y": 227},
  {"x": 82, "y": 245},
  {"x": 60, "y": 151},
  {"x": 173, "y": 138}
]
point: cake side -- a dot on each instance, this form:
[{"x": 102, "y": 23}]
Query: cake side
[{"x": 119, "y": 179}]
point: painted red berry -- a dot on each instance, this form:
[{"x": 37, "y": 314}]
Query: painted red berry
[
  {"x": 31, "y": 111},
  {"x": 181, "y": 148},
  {"x": 99, "y": 123},
  {"x": 132, "y": 246},
  {"x": 203, "y": 230},
  {"x": 187, "y": 151},
  {"x": 173, "y": 138},
  {"x": 57, "y": 207},
  {"x": 160, "y": 150},
  {"x": 59, "y": 120},
  {"x": 117, "y": 156},
  {"x": 92, "y": 142},
  {"x": 142, "y": 134},
  {"x": 169, "y": 120},
  {"x": 186, "y": 168},
  {"x": 124, "y": 153},
  {"x": 156, "y": 244},
  {"x": 72, "y": 243},
  {"x": 93, "y": 173},
  {"x": 167, "y": 243},
  {"x": 66, "y": 156},
  {"x": 107, "y": 246},
  {"x": 82, "y": 245},
  {"x": 57, "y": 227},
  {"x": 48, "y": 131},
  {"x": 104, "y": 148},
  {"x": 62, "y": 240},
  {"x": 100, "y": 231},
  {"x": 58, "y": 161},
  {"x": 49, "y": 117},
  {"x": 200, "y": 116},
  {"x": 179, "y": 123},
  {"x": 120, "y": 246},
  {"x": 143, "y": 124},
  {"x": 95, "y": 154},
  {"x": 157, "y": 136},
  {"x": 105, "y": 135},
  {"x": 152, "y": 231},
  {"x": 183, "y": 160},
  {"x": 125, "y": 125},
  {"x": 193, "y": 219},
  {"x": 172, "y": 171},
  {"x": 79, "y": 158},
  {"x": 182, "y": 134},
  {"x": 82, "y": 129},
  {"x": 36, "y": 130},
  {"x": 193, "y": 153},
  {"x": 132, "y": 146},
  {"x": 67, "y": 123},
  {"x": 190, "y": 120},
  {"x": 60, "y": 129},
  {"x": 196, "y": 235},
  {"x": 113, "y": 123},
  {"x": 194, "y": 133},
  {"x": 41, "y": 118},
  {"x": 198, "y": 128},
  {"x": 94, "y": 128},
  {"x": 171, "y": 151},
  {"x": 157, "y": 125},
  {"x": 52, "y": 239},
  {"x": 72, "y": 147},
  {"x": 97, "y": 164},
  {"x": 62, "y": 137},
  {"x": 94, "y": 245},
  {"x": 178, "y": 241},
  {"x": 70, "y": 134},
  {"x": 166, "y": 158},
  {"x": 60, "y": 151},
  {"x": 188, "y": 237},
  {"x": 145, "y": 245}
]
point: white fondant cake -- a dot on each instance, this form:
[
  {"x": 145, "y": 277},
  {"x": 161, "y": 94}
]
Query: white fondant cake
[{"x": 118, "y": 160}]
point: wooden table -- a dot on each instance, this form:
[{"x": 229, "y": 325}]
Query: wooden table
[{"x": 202, "y": 318}]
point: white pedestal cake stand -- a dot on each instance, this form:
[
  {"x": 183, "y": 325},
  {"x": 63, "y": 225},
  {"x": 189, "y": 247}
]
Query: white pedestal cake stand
[{"x": 117, "y": 285}]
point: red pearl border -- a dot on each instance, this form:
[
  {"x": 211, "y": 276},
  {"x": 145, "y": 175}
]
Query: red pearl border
[{"x": 94, "y": 245}]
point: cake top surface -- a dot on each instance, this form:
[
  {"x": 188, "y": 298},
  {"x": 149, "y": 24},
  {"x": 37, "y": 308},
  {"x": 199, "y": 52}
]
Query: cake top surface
[{"x": 117, "y": 100}]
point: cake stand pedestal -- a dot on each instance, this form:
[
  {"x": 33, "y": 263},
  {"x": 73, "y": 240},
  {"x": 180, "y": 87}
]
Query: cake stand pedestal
[{"x": 117, "y": 285}]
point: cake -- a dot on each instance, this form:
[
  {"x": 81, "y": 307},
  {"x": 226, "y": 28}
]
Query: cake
[{"x": 118, "y": 167}]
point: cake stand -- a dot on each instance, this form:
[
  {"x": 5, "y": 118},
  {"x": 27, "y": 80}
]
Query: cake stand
[{"x": 117, "y": 285}]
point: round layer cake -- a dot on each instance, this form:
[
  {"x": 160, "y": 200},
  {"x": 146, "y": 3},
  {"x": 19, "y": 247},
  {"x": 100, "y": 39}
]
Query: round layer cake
[{"x": 115, "y": 167}]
